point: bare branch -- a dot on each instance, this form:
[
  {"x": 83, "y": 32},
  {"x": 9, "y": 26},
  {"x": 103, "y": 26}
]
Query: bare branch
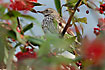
[{"x": 70, "y": 18}]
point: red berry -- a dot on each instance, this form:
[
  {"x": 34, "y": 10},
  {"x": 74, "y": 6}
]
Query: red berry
[
  {"x": 97, "y": 29},
  {"x": 97, "y": 33},
  {"x": 98, "y": 25},
  {"x": 87, "y": 12},
  {"x": 94, "y": 31},
  {"x": 101, "y": 12},
  {"x": 26, "y": 55}
]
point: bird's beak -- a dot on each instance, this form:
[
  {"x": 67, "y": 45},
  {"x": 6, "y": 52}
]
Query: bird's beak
[{"x": 40, "y": 12}]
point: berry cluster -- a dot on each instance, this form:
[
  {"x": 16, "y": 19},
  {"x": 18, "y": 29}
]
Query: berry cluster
[
  {"x": 21, "y": 5},
  {"x": 97, "y": 31},
  {"x": 102, "y": 8},
  {"x": 94, "y": 51},
  {"x": 29, "y": 53},
  {"x": 101, "y": 26}
]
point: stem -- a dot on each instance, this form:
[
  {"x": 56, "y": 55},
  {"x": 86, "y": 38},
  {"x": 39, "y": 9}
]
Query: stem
[
  {"x": 70, "y": 18},
  {"x": 30, "y": 45},
  {"x": 19, "y": 25}
]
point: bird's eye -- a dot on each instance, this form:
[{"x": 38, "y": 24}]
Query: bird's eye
[{"x": 47, "y": 10}]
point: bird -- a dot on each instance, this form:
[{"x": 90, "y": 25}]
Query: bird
[{"x": 49, "y": 24}]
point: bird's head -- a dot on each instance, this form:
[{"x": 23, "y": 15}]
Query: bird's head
[{"x": 48, "y": 11}]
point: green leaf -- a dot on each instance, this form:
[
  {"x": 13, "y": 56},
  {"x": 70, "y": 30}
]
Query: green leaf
[
  {"x": 84, "y": 1},
  {"x": 12, "y": 34},
  {"x": 34, "y": 40},
  {"x": 77, "y": 30},
  {"x": 83, "y": 20},
  {"x": 18, "y": 36},
  {"x": 10, "y": 60},
  {"x": 71, "y": 39},
  {"x": 27, "y": 17},
  {"x": 56, "y": 41},
  {"x": 82, "y": 28},
  {"x": 3, "y": 43},
  {"x": 2, "y": 10},
  {"x": 58, "y": 6},
  {"x": 12, "y": 14},
  {"x": 57, "y": 60},
  {"x": 27, "y": 27},
  {"x": 37, "y": 4},
  {"x": 6, "y": 55},
  {"x": 52, "y": 41},
  {"x": 79, "y": 36},
  {"x": 70, "y": 3}
]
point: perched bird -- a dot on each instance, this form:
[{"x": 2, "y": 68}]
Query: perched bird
[{"x": 49, "y": 24}]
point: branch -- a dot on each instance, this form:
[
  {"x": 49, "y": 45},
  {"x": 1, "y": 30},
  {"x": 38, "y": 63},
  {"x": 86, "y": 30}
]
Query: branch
[
  {"x": 32, "y": 46},
  {"x": 19, "y": 25},
  {"x": 70, "y": 18}
]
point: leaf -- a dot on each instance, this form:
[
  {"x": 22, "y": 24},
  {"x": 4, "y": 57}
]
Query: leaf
[
  {"x": 78, "y": 33},
  {"x": 18, "y": 36},
  {"x": 34, "y": 40},
  {"x": 10, "y": 59},
  {"x": 2, "y": 10},
  {"x": 77, "y": 30},
  {"x": 70, "y": 3},
  {"x": 56, "y": 41},
  {"x": 27, "y": 27},
  {"x": 37, "y": 4},
  {"x": 84, "y": 1},
  {"x": 15, "y": 14},
  {"x": 3, "y": 43},
  {"x": 83, "y": 20},
  {"x": 71, "y": 39},
  {"x": 58, "y": 6},
  {"x": 6, "y": 55},
  {"x": 12, "y": 14},
  {"x": 52, "y": 41},
  {"x": 27, "y": 17},
  {"x": 57, "y": 60},
  {"x": 17, "y": 45},
  {"x": 12, "y": 34},
  {"x": 82, "y": 28}
]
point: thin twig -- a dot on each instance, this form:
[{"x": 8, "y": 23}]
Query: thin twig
[
  {"x": 19, "y": 25},
  {"x": 70, "y": 18},
  {"x": 30, "y": 44}
]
